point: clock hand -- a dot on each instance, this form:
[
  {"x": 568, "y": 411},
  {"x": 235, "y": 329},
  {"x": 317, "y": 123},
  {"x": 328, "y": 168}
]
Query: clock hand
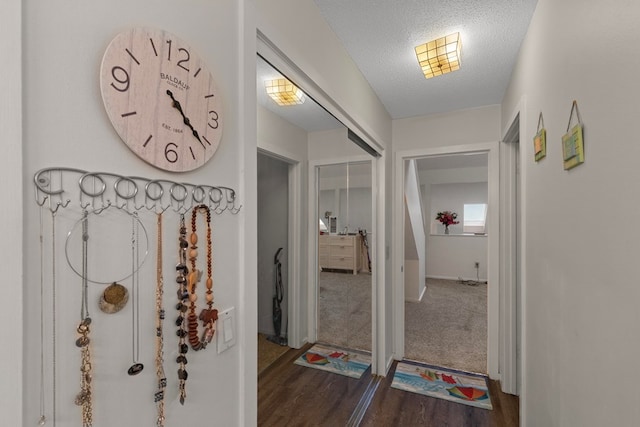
[{"x": 185, "y": 119}]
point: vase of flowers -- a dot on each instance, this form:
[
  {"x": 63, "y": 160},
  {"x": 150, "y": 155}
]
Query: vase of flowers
[{"x": 447, "y": 218}]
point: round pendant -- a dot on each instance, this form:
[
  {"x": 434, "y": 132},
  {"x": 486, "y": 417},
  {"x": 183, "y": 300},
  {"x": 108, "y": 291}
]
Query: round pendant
[
  {"x": 114, "y": 298},
  {"x": 135, "y": 369},
  {"x": 82, "y": 342},
  {"x": 42, "y": 421}
]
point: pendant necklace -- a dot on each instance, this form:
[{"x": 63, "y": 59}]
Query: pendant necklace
[
  {"x": 84, "y": 398},
  {"x": 182, "y": 307},
  {"x": 137, "y": 367},
  {"x": 209, "y": 315},
  {"x": 53, "y": 320},
  {"x": 162, "y": 380},
  {"x": 43, "y": 419}
]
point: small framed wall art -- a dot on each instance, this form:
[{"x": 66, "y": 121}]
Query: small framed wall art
[
  {"x": 540, "y": 140},
  {"x": 573, "y": 142}
]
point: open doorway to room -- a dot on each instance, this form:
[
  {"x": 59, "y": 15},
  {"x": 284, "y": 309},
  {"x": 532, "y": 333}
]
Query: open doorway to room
[
  {"x": 446, "y": 200},
  {"x": 273, "y": 254},
  {"x": 402, "y": 274}
]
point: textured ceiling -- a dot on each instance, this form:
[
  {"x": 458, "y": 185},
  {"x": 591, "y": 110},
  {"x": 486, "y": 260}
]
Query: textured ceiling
[{"x": 380, "y": 36}]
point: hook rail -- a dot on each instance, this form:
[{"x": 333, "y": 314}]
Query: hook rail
[{"x": 56, "y": 187}]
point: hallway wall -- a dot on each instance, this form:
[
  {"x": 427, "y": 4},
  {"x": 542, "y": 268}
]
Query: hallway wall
[
  {"x": 65, "y": 125},
  {"x": 581, "y": 317}
]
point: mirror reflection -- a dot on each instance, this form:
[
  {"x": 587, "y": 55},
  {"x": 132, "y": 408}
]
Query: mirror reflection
[
  {"x": 344, "y": 190},
  {"x": 344, "y": 281}
]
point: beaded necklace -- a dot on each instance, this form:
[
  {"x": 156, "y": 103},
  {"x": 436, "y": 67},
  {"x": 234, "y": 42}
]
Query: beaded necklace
[
  {"x": 209, "y": 315},
  {"x": 182, "y": 307}
]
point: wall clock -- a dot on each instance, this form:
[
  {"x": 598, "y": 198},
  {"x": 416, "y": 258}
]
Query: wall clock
[{"x": 161, "y": 99}]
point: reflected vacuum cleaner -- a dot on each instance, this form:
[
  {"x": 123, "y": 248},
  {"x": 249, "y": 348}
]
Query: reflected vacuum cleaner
[{"x": 277, "y": 300}]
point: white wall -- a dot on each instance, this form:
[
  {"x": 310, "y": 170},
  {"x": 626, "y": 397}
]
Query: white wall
[
  {"x": 415, "y": 235},
  {"x": 281, "y": 137},
  {"x": 454, "y": 255},
  {"x": 581, "y": 298},
  {"x": 442, "y": 130},
  {"x": 11, "y": 214},
  {"x": 332, "y": 144},
  {"x": 65, "y": 125}
]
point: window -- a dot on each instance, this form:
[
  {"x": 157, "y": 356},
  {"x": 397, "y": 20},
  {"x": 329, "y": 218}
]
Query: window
[{"x": 475, "y": 217}]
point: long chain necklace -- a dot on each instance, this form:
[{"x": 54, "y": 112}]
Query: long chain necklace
[
  {"x": 162, "y": 380},
  {"x": 43, "y": 419},
  {"x": 54, "y": 351},
  {"x": 209, "y": 315},
  {"x": 183, "y": 298},
  {"x": 137, "y": 367},
  {"x": 83, "y": 399}
]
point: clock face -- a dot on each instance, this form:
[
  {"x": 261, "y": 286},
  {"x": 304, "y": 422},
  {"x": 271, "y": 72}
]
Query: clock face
[{"x": 161, "y": 99}]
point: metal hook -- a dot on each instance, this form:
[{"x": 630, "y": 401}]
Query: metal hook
[
  {"x": 59, "y": 204},
  {"x": 101, "y": 209},
  {"x": 44, "y": 200}
]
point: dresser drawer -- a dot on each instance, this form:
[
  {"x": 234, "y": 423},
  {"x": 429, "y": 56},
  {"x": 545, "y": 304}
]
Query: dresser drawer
[
  {"x": 324, "y": 262},
  {"x": 341, "y": 251},
  {"x": 324, "y": 251},
  {"x": 341, "y": 240},
  {"x": 343, "y": 263}
]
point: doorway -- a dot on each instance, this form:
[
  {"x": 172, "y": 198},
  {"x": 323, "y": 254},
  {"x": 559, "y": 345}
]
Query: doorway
[
  {"x": 273, "y": 266},
  {"x": 446, "y": 313},
  {"x": 493, "y": 239}
]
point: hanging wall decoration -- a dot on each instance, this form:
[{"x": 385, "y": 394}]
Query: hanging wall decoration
[
  {"x": 540, "y": 140},
  {"x": 98, "y": 238},
  {"x": 572, "y": 141}
]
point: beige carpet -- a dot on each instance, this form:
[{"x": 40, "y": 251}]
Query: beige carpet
[
  {"x": 344, "y": 310},
  {"x": 447, "y": 328}
]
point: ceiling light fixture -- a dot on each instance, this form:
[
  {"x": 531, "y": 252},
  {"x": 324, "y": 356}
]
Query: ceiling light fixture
[
  {"x": 283, "y": 92},
  {"x": 440, "y": 56}
]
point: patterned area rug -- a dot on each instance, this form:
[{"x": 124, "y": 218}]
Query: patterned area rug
[
  {"x": 336, "y": 360},
  {"x": 455, "y": 386}
]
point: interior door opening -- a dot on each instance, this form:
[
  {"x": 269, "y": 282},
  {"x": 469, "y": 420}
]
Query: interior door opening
[
  {"x": 446, "y": 234},
  {"x": 273, "y": 250}
]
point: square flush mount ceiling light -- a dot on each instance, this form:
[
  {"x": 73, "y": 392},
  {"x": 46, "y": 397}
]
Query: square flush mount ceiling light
[
  {"x": 440, "y": 56},
  {"x": 283, "y": 92}
]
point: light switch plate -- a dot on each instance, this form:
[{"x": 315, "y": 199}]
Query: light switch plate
[{"x": 226, "y": 329}]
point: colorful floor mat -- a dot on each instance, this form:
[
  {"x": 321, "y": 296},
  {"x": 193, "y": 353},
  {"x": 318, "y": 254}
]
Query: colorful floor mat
[
  {"x": 454, "y": 386},
  {"x": 339, "y": 361}
]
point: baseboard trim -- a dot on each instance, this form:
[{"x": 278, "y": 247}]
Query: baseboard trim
[{"x": 456, "y": 278}]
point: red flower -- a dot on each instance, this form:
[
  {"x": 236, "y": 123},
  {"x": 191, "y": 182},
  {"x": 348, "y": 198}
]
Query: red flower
[{"x": 447, "y": 218}]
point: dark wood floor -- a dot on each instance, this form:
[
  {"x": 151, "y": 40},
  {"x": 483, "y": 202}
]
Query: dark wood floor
[{"x": 293, "y": 395}]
